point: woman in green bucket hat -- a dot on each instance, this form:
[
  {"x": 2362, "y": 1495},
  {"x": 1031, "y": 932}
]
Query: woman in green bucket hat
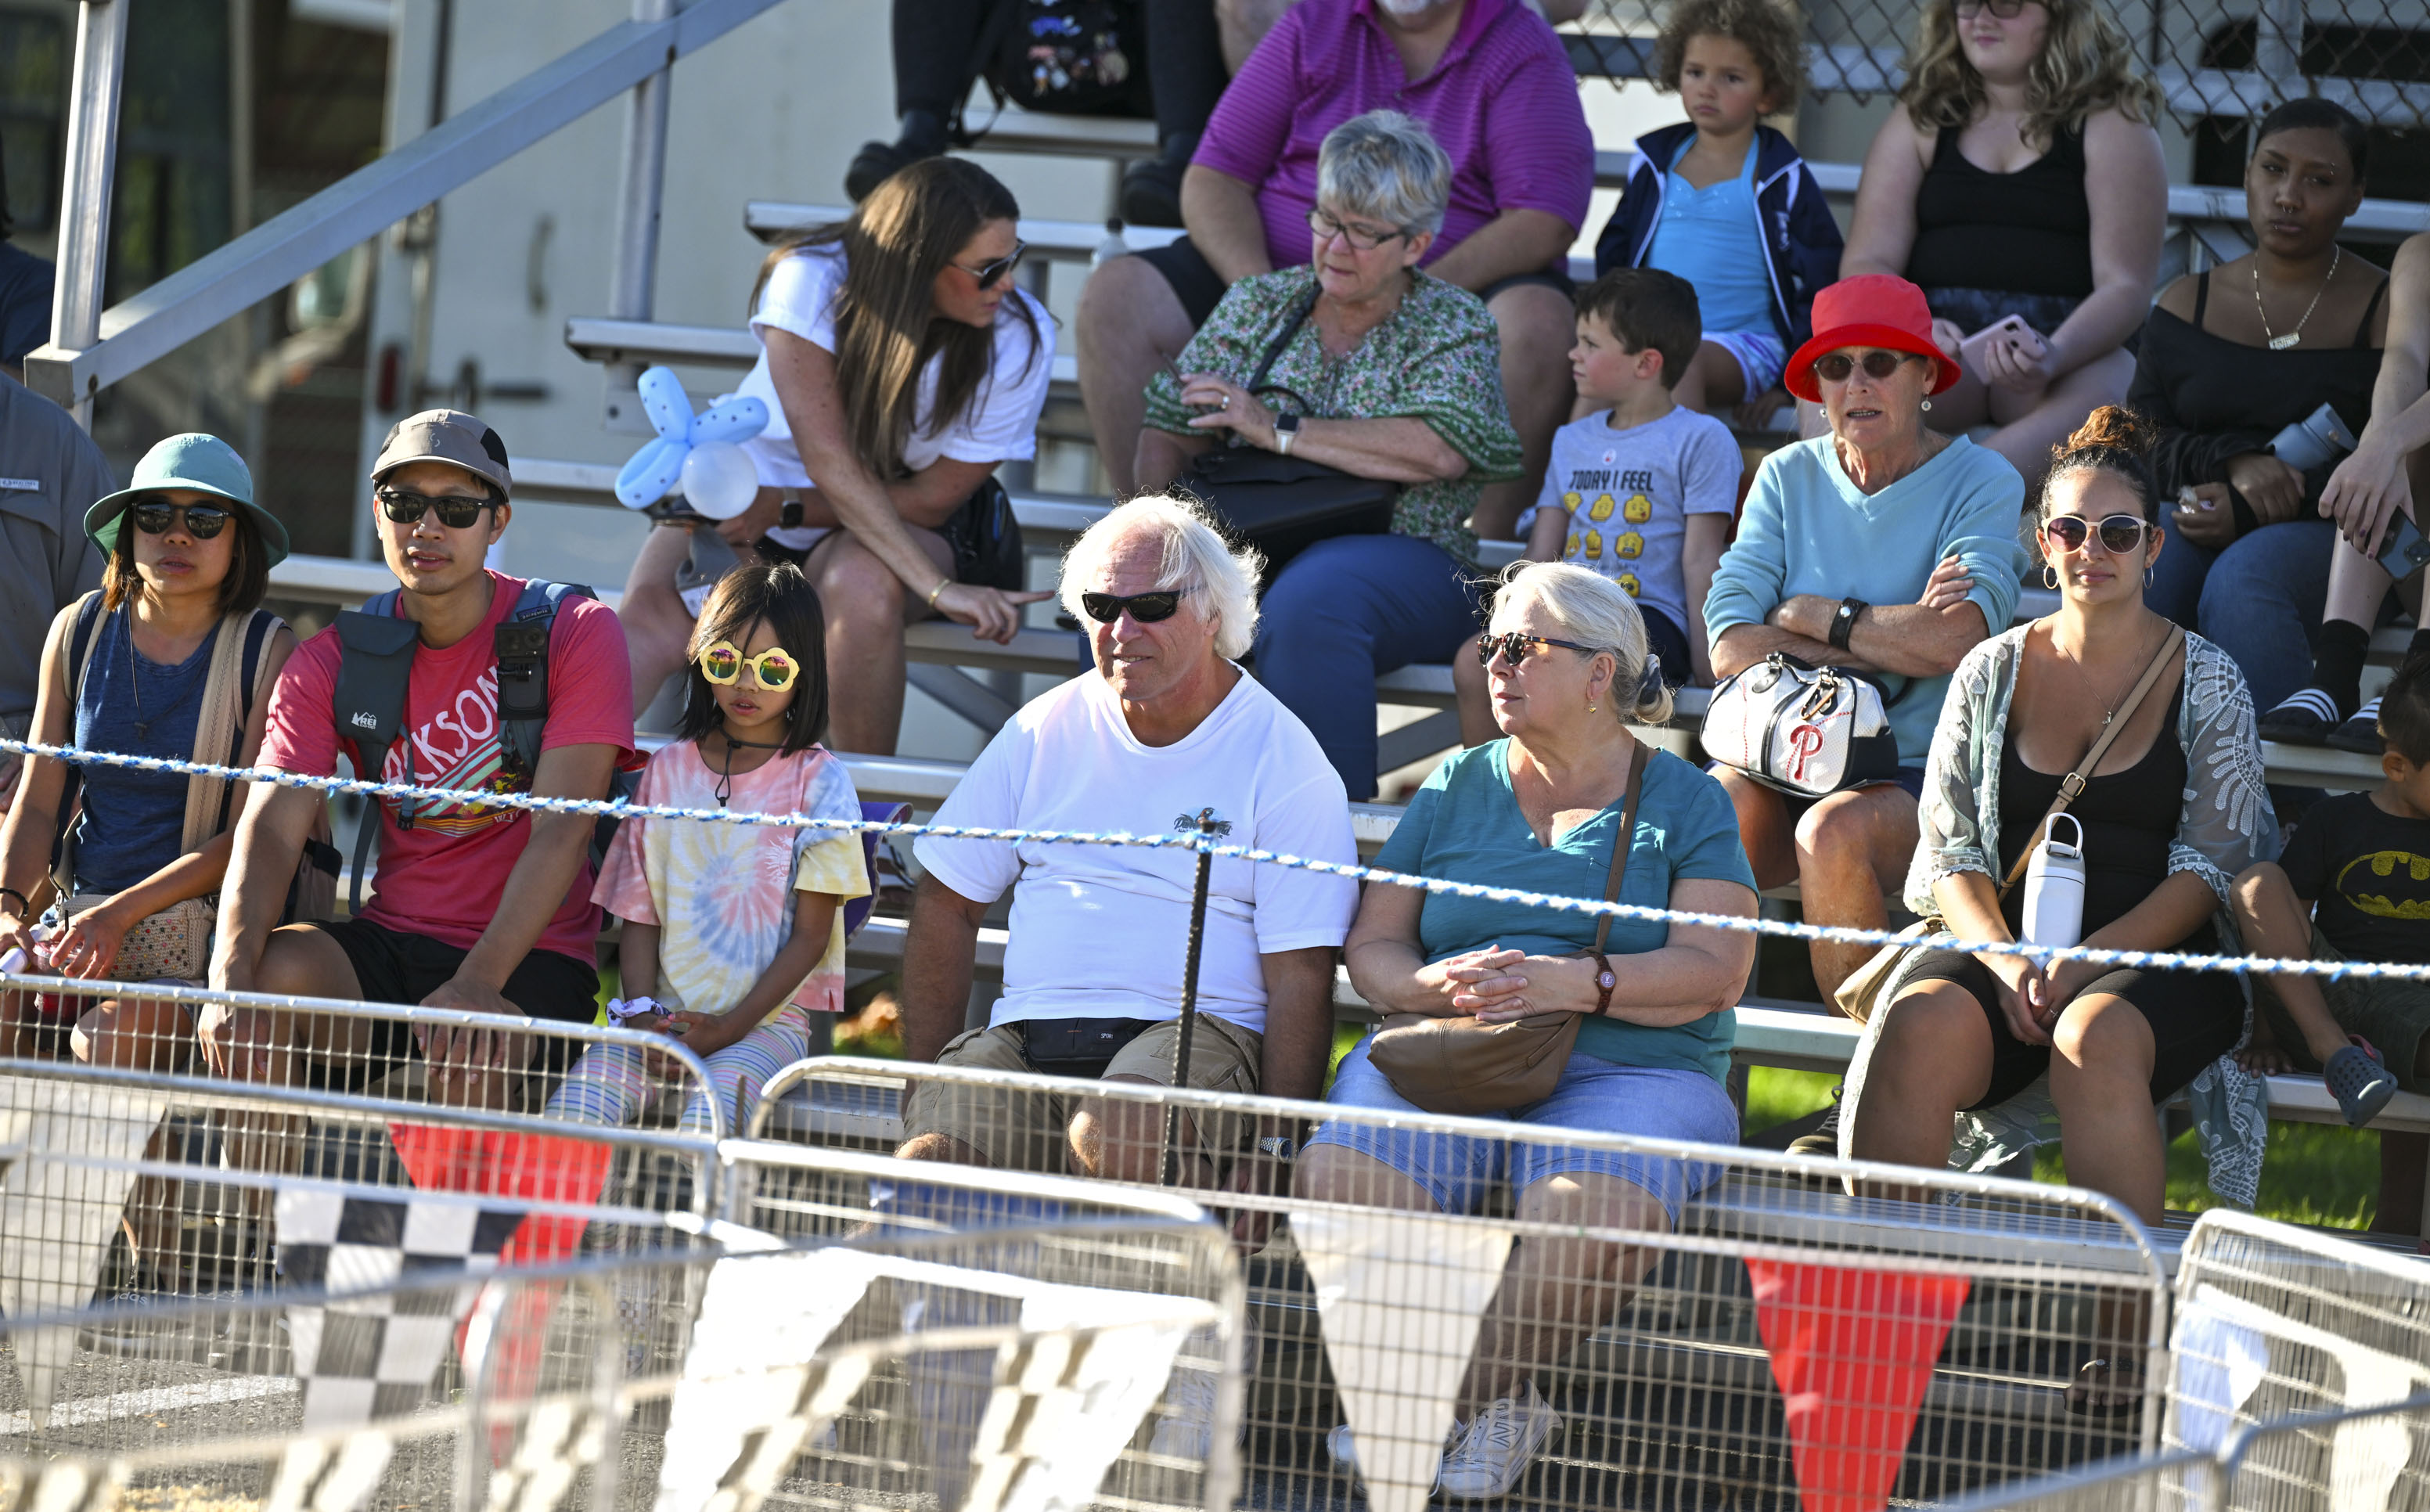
[{"x": 172, "y": 657}]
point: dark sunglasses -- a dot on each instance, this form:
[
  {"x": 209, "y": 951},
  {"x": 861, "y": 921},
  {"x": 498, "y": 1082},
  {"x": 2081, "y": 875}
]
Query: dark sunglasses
[
  {"x": 455, "y": 511},
  {"x": 2120, "y": 533},
  {"x": 201, "y": 521},
  {"x": 1513, "y": 647},
  {"x": 1148, "y": 609},
  {"x": 1878, "y": 365},
  {"x": 990, "y": 272},
  {"x": 2005, "y": 9}
]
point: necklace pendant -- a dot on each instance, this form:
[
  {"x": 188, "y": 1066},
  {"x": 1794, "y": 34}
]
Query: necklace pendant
[
  {"x": 2280, "y": 343},
  {"x": 143, "y": 730}
]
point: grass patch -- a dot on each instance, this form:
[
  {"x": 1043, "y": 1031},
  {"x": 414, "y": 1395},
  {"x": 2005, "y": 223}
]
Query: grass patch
[{"x": 2316, "y": 1173}]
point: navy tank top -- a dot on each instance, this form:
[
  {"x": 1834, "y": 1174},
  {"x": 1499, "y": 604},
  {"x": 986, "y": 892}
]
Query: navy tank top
[{"x": 134, "y": 821}]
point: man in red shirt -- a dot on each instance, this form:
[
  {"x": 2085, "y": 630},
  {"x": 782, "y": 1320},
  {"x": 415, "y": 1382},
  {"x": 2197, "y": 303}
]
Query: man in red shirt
[{"x": 479, "y": 907}]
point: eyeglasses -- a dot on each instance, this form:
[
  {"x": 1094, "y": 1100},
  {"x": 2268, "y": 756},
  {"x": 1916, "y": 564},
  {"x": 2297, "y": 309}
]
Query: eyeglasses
[
  {"x": 1878, "y": 364},
  {"x": 1361, "y": 237},
  {"x": 2120, "y": 533},
  {"x": 2005, "y": 9},
  {"x": 1513, "y": 647},
  {"x": 722, "y": 664},
  {"x": 990, "y": 271},
  {"x": 1148, "y": 609},
  {"x": 201, "y": 521},
  {"x": 456, "y": 510}
]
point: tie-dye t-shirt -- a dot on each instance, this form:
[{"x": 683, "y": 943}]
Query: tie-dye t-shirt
[{"x": 722, "y": 895}]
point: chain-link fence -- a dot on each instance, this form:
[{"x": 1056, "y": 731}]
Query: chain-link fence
[{"x": 2213, "y": 63}]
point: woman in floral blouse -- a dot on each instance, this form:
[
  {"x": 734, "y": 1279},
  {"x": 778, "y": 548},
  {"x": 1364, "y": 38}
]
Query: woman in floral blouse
[
  {"x": 2175, "y": 809},
  {"x": 1397, "y": 376}
]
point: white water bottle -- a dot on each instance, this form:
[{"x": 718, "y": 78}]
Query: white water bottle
[
  {"x": 1113, "y": 246},
  {"x": 2055, "y": 887}
]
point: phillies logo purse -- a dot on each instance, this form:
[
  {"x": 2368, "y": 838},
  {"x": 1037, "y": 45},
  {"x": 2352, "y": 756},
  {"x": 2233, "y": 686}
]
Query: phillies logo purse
[{"x": 1804, "y": 730}]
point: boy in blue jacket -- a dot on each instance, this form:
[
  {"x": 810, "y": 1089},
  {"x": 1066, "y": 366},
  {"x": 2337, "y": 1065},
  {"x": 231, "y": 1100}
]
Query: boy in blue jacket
[{"x": 1725, "y": 201}]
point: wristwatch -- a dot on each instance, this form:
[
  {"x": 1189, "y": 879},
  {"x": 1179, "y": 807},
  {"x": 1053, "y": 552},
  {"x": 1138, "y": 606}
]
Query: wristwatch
[
  {"x": 1278, "y": 1147},
  {"x": 1285, "y": 433},
  {"x": 1843, "y": 624},
  {"x": 1605, "y": 982}
]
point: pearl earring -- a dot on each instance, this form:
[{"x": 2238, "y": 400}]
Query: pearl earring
[{"x": 1927, "y": 404}]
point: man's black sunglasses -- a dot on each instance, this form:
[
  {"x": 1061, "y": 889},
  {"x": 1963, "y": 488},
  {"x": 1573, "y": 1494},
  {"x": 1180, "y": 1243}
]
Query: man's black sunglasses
[
  {"x": 456, "y": 510},
  {"x": 988, "y": 272},
  {"x": 1513, "y": 647},
  {"x": 202, "y": 521},
  {"x": 1148, "y": 609}
]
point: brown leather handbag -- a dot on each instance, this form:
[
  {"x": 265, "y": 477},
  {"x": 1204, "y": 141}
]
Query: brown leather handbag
[{"x": 1464, "y": 1064}]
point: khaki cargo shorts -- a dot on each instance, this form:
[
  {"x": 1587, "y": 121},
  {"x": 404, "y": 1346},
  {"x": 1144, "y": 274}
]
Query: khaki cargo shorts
[{"x": 1030, "y": 1131}]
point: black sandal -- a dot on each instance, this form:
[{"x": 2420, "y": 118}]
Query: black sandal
[{"x": 2102, "y": 1390}]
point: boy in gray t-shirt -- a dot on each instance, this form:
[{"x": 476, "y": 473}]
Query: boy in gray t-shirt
[{"x": 1642, "y": 492}]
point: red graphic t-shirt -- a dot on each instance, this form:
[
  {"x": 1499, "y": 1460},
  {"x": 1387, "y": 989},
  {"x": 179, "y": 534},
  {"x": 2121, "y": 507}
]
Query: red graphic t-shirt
[{"x": 443, "y": 876}]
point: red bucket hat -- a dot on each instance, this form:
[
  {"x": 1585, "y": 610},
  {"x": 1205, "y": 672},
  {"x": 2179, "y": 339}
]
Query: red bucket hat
[{"x": 1871, "y": 309}]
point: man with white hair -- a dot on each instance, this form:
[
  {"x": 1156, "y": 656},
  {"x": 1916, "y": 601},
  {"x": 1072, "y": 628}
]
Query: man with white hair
[{"x": 1165, "y": 729}]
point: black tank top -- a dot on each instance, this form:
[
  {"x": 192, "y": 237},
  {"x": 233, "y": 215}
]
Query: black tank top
[
  {"x": 2129, "y": 818},
  {"x": 2029, "y": 232}
]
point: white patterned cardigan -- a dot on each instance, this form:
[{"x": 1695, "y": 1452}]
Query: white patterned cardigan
[{"x": 2224, "y": 824}]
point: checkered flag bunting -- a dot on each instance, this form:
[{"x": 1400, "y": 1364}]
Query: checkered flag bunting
[{"x": 363, "y": 1357}]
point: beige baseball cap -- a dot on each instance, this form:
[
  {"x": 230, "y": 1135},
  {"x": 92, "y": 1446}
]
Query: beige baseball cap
[{"x": 446, "y": 436}]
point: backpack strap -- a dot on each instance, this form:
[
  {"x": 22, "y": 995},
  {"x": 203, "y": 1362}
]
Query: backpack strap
[
  {"x": 375, "y": 666},
  {"x": 75, "y": 660},
  {"x": 523, "y": 640},
  {"x": 218, "y": 729}
]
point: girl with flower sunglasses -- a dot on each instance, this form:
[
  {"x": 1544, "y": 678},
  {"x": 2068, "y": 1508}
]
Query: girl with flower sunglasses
[{"x": 733, "y": 934}]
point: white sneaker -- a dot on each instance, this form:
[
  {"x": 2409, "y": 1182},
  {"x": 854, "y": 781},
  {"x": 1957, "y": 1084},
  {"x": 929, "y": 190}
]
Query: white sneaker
[
  {"x": 1187, "y": 1428},
  {"x": 1487, "y": 1460}
]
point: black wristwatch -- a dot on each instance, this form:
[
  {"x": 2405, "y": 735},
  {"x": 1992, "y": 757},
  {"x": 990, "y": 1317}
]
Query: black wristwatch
[
  {"x": 1285, "y": 432},
  {"x": 1843, "y": 624}
]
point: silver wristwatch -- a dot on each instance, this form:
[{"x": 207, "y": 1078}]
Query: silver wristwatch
[{"x": 1277, "y": 1147}]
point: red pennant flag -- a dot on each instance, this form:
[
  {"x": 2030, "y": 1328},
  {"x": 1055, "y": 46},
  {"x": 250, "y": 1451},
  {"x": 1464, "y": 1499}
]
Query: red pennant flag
[{"x": 1852, "y": 1352}]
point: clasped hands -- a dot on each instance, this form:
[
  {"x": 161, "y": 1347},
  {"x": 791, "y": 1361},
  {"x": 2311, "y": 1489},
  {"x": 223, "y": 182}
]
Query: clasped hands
[
  {"x": 1505, "y": 985},
  {"x": 2031, "y": 996}
]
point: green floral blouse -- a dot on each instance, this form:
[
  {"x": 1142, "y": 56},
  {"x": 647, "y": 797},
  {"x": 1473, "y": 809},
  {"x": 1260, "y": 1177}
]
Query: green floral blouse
[{"x": 1436, "y": 359}]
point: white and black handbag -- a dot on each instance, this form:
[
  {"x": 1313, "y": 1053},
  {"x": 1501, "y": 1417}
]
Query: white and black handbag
[{"x": 1805, "y": 730}]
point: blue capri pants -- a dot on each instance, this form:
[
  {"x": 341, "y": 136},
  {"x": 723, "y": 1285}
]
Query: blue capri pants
[{"x": 1593, "y": 1094}]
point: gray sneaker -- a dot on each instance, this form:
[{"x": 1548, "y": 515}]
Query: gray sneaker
[{"x": 1487, "y": 1459}]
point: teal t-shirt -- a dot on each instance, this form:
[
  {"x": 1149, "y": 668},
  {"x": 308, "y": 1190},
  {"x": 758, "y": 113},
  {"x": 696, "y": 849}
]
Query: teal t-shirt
[{"x": 1464, "y": 825}]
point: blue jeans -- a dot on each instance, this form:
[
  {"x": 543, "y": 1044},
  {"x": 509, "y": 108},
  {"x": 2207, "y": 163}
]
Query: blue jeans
[
  {"x": 2259, "y": 600},
  {"x": 1344, "y": 613},
  {"x": 1594, "y": 1094}
]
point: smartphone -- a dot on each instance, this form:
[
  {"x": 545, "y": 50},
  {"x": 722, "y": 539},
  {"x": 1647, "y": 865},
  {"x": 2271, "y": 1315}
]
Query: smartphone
[{"x": 2405, "y": 552}]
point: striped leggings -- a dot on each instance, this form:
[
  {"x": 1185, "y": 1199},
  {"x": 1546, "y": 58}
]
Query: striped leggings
[{"x": 611, "y": 1086}]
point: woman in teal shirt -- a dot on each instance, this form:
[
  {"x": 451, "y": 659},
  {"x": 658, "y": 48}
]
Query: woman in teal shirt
[{"x": 1541, "y": 810}]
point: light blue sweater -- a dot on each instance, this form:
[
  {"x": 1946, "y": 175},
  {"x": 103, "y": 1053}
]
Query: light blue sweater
[{"x": 1807, "y": 529}]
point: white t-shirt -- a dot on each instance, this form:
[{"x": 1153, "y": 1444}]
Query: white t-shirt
[
  {"x": 1099, "y": 931},
  {"x": 1000, "y": 425}
]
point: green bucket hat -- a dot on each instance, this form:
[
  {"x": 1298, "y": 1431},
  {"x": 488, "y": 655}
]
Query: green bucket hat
[{"x": 204, "y": 463}]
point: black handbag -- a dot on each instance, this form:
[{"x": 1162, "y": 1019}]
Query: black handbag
[
  {"x": 986, "y": 539},
  {"x": 1284, "y": 504}
]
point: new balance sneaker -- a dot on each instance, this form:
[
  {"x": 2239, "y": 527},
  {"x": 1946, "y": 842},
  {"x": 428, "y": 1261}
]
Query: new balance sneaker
[
  {"x": 1344, "y": 1449},
  {"x": 1187, "y": 1429},
  {"x": 2307, "y": 716},
  {"x": 1487, "y": 1458},
  {"x": 2360, "y": 733}
]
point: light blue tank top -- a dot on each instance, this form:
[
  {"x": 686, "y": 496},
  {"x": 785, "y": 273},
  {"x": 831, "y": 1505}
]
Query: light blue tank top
[
  {"x": 134, "y": 821},
  {"x": 1712, "y": 238}
]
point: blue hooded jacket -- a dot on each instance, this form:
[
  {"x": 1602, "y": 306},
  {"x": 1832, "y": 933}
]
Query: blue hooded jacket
[{"x": 1801, "y": 241}]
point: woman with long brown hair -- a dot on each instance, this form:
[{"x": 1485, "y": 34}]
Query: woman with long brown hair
[
  {"x": 900, "y": 367},
  {"x": 2022, "y": 186}
]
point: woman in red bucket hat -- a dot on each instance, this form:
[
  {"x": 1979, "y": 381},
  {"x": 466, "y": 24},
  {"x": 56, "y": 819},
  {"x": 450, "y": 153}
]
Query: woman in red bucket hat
[{"x": 1884, "y": 547}]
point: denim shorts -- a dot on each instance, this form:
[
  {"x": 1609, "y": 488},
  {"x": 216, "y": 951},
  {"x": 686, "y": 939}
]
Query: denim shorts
[{"x": 1593, "y": 1094}]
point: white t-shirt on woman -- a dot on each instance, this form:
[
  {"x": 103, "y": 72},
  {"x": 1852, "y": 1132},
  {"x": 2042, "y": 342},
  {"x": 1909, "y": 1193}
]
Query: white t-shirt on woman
[{"x": 1000, "y": 424}]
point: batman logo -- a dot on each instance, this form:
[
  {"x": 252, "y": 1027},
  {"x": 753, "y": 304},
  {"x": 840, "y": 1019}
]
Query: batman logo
[{"x": 2408, "y": 896}]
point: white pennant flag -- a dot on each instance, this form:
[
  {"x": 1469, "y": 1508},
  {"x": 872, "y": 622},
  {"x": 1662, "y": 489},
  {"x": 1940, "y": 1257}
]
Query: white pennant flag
[
  {"x": 1400, "y": 1296},
  {"x": 2367, "y": 1454},
  {"x": 762, "y": 1320},
  {"x": 1068, "y": 1396},
  {"x": 325, "y": 1476},
  {"x": 2221, "y": 1363},
  {"x": 58, "y": 1216}
]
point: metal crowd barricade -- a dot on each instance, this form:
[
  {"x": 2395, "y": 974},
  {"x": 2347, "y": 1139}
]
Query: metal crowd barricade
[
  {"x": 1914, "y": 1340},
  {"x": 149, "y": 1183},
  {"x": 895, "y": 1369}
]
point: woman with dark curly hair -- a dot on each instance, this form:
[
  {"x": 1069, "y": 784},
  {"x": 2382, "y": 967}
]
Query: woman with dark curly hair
[
  {"x": 2023, "y": 187},
  {"x": 1725, "y": 201}
]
